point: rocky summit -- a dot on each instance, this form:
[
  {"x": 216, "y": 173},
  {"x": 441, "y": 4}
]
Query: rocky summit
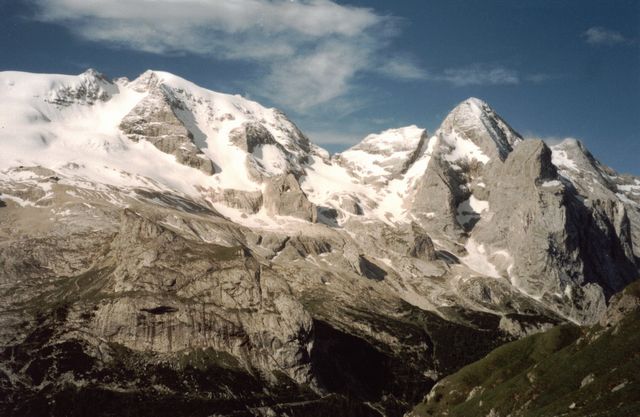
[{"x": 169, "y": 250}]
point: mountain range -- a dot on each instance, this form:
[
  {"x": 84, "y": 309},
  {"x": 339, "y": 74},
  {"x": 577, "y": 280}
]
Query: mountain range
[{"x": 170, "y": 250}]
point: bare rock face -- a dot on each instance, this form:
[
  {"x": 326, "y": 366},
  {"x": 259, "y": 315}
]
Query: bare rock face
[
  {"x": 406, "y": 248},
  {"x": 269, "y": 328},
  {"x": 530, "y": 220},
  {"x": 436, "y": 197},
  {"x": 614, "y": 196},
  {"x": 251, "y": 135},
  {"x": 471, "y": 140},
  {"x": 543, "y": 236},
  {"x": 522, "y": 329},
  {"x": 284, "y": 197},
  {"x": 421, "y": 245},
  {"x": 351, "y": 205},
  {"x": 155, "y": 121},
  {"x": 246, "y": 201},
  {"x": 621, "y": 305},
  {"x": 256, "y": 140}
]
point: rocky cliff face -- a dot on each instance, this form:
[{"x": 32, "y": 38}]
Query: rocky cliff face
[
  {"x": 542, "y": 235},
  {"x": 203, "y": 253}
]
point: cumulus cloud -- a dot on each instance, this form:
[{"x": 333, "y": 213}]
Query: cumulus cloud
[
  {"x": 310, "y": 51},
  {"x": 603, "y": 36}
]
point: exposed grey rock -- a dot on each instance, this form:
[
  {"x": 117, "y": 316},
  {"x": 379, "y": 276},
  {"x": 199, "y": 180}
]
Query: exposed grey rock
[
  {"x": 547, "y": 233},
  {"x": 604, "y": 190},
  {"x": 417, "y": 152},
  {"x": 146, "y": 82},
  {"x": 436, "y": 197},
  {"x": 521, "y": 328},
  {"x": 284, "y": 197},
  {"x": 268, "y": 329},
  {"x": 246, "y": 201},
  {"x": 299, "y": 143},
  {"x": 621, "y": 305},
  {"x": 155, "y": 121},
  {"x": 421, "y": 245},
  {"x": 351, "y": 205},
  {"x": 251, "y": 135},
  {"x": 310, "y": 245}
]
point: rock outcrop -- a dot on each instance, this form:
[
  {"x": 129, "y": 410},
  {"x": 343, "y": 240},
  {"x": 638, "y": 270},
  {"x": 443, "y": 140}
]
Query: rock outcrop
[
  {"x": 249, "y": 202},
  {"x": 284, "y": 197},
  {"x": 154, "y": 120},
  {"x": 251, "y": 135},
  {"x": 436, "y": 197}
]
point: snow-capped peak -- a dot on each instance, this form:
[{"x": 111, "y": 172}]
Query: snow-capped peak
[
  {"x": 474, "y": 130},
  {"x": 57, "y": 121},
  {"x": 383, "y": 156}
]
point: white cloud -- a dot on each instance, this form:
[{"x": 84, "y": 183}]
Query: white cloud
[
  {"x": 549, "y": 140},
  {"x": 479, "y": 75},
  {"x": 317, "y": 76},
  {"x": 403, "y": 68},
  {"x": 310, "y": 18},
  {"x": 310, "y": 51},
  {"x": 307, "y": 53},
  {"x": 603, "y": 36}
]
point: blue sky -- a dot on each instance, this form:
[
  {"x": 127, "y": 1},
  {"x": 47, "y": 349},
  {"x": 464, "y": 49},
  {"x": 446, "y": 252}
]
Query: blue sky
[{"x": 342, "y": 69}]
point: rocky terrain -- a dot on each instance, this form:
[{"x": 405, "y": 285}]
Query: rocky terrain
[{"x": 169, "y": 250}]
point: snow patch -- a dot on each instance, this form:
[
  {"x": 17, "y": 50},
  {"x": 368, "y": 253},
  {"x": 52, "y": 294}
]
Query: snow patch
[
  {"x": 463, "y": 149},
  {"x": 626, "y": 199},
  {"x": 471, "y": 209},
  {"x": 477, "y": 259},
  {"x": 560, "y": 159},
  {"x": 550, "y": 184}
]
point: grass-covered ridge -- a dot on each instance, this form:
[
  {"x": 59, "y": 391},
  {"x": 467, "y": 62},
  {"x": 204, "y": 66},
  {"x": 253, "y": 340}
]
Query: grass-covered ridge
[{"x": 566, "y": 371}]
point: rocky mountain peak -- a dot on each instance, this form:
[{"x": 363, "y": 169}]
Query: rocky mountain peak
[
  {"x": 87, "y": 88},
  {"x": 402, "y": 139},
  {"x": 156, "y": 120},
  {"x": 146, "y": 81},
  {"x": 476, "y": 124},
  {"x": 384, "y": 156},
  {"x": 93, "y": 74},
  {"x": 572, "y": 155}
]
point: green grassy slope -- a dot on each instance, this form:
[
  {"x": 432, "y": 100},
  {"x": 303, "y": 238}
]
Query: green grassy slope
[{"x": 566, "y": 371}]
